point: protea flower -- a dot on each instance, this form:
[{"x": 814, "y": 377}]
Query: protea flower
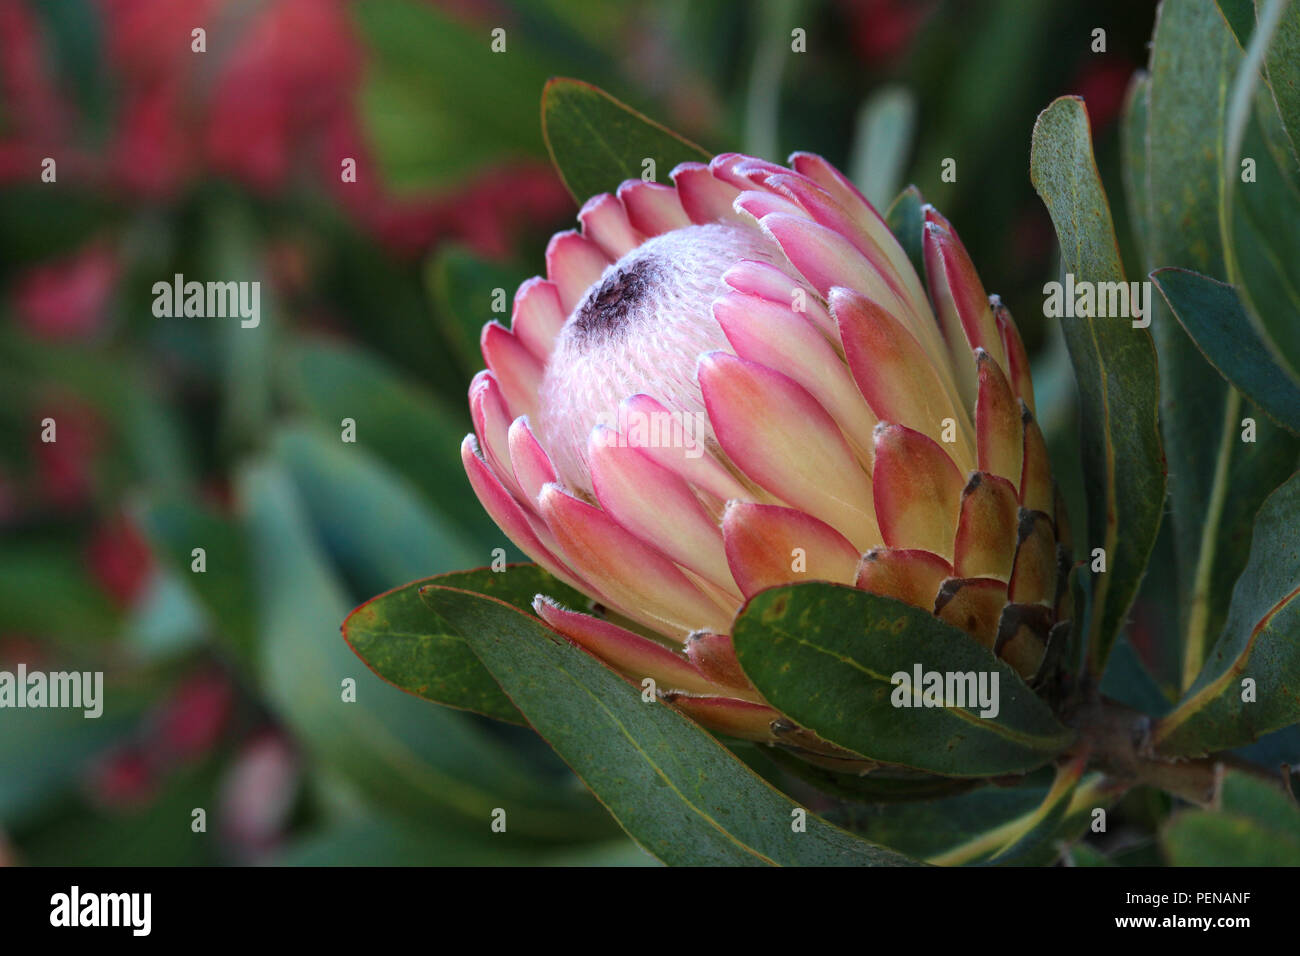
[{"x": 738, "y": 382}]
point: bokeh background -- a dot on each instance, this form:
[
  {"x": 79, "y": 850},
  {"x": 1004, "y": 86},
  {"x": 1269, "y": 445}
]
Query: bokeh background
[{"x": 223, "y": 688}]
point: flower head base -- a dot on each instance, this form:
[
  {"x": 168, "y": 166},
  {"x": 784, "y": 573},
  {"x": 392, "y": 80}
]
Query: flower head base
[{"x": 739, "y": 382}]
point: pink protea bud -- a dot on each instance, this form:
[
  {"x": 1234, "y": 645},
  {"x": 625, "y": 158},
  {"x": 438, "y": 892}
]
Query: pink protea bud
[{"x": 740, "y": 382}]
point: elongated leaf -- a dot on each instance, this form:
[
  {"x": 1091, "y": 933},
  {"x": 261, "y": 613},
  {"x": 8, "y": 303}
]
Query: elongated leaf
[
  {"x": 596, "y": 142},
  {"x": 1260, "y": 643},
  {"x": 400, "y": 753},
  {"x": 1133, "y": 138},
  {"x": 46, "y": 589},
  {"x": 396, "y": 419},
  {"x": 1213, "y": 316},
  {"x": 1173, "y": 138},
  {"x": 407, "y": 644},
  {"x": 931, "y": 829},
  {"x": 225, "y": 587},
  {"x": 1115, "y": 368},
  {"x": 826, "y": 656},
  {"x": 464, "y": 288},
  {"x": 885, "y": 785},
  {"x": 882, "y": 142},
  {"x": 1213, "y": 496},
  {"x": 1035, "y": 842},
  {"x": 379, "y": 841},
  {"x": 371, "y": 521},
  {"x": 1240, "y": 16},
  {"x": 1128, "y": 681},
  {"x": 1275, "y": 749},
  {"x": 1259, "y": 250},
  {"x": 1282, "y": 67},
  {"x": 905, "y": 221},
  {"x": 1256, "y": 824},
  {"x": 676, "y": 791},
  {"x": 437, "y": 101}
]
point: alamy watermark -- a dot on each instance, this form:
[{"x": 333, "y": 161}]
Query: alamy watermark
[
  {"x": 208, "y": 300},
  {"x": 1101, "y": 300},
  {"x": 634, "y": 428},
  {"x": 79, "y": 690},
  {"x": 75, "y": 908},
  {"x": 964, "y": 689}
]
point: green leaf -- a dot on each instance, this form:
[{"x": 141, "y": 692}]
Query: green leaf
[
  {"x": 1115, "y": 368},
  {"x": 463, "y": 287},
  {"x": 1282, "y": 67},
  {"x": 398, "y": 752},
  {"x": 38, "y": 223},
  {"x": 596, "y": 142},
  {"x": 1275, "y": 749},
  {"x": 407, "y": 644},
  {"x": 1173, "y": 140},
  {"x": 883, "y": 141},
  {"x": 905, "y": 221},
  {"x": 1240, "y": 16},
  {"x": 396, "y": 420},
  {"x": 1213, "y": 496},
  {"x": 43, "y": 752},
  {"x": 886, "y": 785},
  {"x": 931, "y": 829},
  {"x": 1259, "y": 246},
  {"x": 1257, "y": 824},
  {"x": 1034, "y": 841},
  {"x": 1133, "y": 140},
  {"x": 225, "y": 588},
  {"x": 676, "y": 791},
  {"x": 826, "y": 656},
  {"x": 46, "y": 589},
  {"x": 437, "y": 102},
  {"x": 231, "y": 247},
  {"x": 1260, "y": 641},
  {"x": 1128, "y": 681},
  {"x": 1213, "y": 316},
  {"x": 380, "y": 841},
  {"x": 373, "y": 523}
]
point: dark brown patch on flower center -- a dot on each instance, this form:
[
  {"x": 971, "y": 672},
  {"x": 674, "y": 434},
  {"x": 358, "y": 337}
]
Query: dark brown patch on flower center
[{"x": 606, "y": 309}]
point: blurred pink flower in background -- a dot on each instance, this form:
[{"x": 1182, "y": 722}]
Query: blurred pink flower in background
[
  {"x": 64, "y": 469},
  {"x": 67, "y": 298},
  {"x": 120, "y": 560},
  {"x": 35, "y": 117},
  {"x": 257, "y": 794},
  {"x": 882, "y": 30},
  {"x": 190, "y": 722},
  {"x": 122, "y": 780},
  {"x": 1103, "y": 83}
]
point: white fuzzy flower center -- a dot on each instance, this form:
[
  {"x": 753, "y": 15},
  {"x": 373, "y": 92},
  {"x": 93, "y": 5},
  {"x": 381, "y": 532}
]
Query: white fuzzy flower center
[{"x": 640, "y": 329}]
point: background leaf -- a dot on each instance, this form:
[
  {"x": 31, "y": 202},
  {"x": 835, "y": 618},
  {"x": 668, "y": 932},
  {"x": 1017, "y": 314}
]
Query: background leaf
[
  {"x": 397, "y": 420},
  {"x": 371, "y": 521},
  {"x": 1115, "y": 368},
  {"x": 401, "y": 753},
  {"x": 1257, "y": 824},
  {"x": 225, "y": 587}
]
